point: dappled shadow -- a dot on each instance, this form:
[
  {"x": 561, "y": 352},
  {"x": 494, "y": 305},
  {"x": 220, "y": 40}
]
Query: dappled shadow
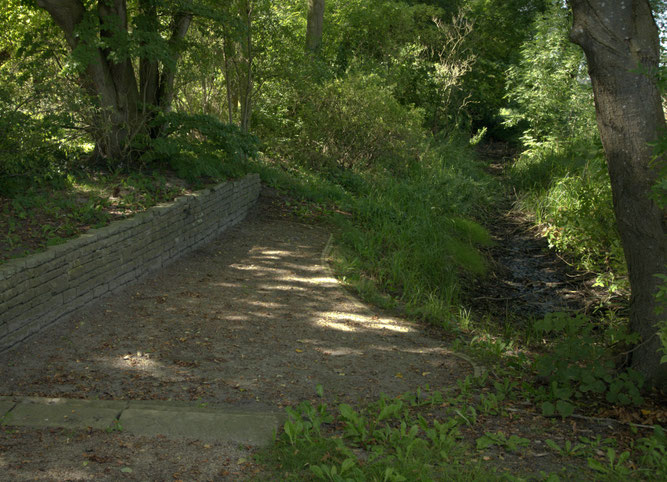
[{"x": 252, "y": 317}]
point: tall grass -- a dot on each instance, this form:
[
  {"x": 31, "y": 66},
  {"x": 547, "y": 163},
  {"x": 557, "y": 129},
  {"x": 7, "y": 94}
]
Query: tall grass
[{"x": 407, "y": 238}]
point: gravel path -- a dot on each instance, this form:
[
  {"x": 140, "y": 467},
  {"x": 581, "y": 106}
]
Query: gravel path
[{"x": 253, "y": 319}]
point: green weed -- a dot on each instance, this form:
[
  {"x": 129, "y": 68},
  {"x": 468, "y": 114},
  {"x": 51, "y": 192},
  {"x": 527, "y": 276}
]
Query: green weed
[
  {"x": 385, "y": 440},
  {"x": 568, "y": 449},
  {"x": 653, "y": 454},
  {"x": 580, "y": 365},
  {"x": 614, "y": 466},
  {"x": 114, "y": 427}
]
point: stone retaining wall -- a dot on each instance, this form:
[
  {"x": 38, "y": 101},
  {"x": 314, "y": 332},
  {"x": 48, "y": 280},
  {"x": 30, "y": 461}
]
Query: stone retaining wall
[{"x": 42, "y": 289}]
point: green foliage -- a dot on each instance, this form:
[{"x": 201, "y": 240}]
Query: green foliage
[
  {"x": 548, "y": 89},
  {"x": 653, "y": 450},
  {"x": 568, "y": 449},
  {"x": 36, "y": 145},
  {"x": 660, "y": 197},
  {"x": 370, "y": 33},
  {"x": 198, "y": 146},
  {"x": 576, "y": 212},
  {"x": 430, "y": 73},
  {"x": 579, "y": 365},
  {"x": 614, "y": 466},
  {"x": 383, "y": 441},
  {"x": 356, "y": 123},
  {"x": 408, "y": 236},
  {"x": 29, "y": 150},
  {"x": 561, "y": 173},
  {"x": 501, "y": 27}
]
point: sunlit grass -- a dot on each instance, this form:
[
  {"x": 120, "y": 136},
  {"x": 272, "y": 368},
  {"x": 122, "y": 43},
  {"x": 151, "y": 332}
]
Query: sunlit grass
[{"x": 402, "y": 237}]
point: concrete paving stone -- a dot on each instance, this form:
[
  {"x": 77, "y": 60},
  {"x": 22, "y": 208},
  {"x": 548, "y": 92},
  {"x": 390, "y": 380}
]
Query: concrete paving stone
[
  {"x": 5, "y": 406},
  {"x": 254, "y": 428},
  {"x": 171, "y": 405},
  {"x": 68, "y": 413}
]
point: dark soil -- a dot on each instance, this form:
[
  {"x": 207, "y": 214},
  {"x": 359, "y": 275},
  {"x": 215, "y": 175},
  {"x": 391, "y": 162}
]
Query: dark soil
[
  {"x": 39, "y": 217},
  {"x": 527, "y": 280}
]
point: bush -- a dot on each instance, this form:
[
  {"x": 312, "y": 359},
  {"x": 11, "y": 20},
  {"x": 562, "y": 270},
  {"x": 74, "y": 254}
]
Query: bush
[
  {"x": 580, "y": 364},
  {"x": 199, "y": 145},
  {"x": 29, "y": 149},
  {"x": 412, "y": 236},
  {"x": 355, "y": 123}
]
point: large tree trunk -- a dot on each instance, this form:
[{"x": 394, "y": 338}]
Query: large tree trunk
[
  {"x": 621, "y": 43},
  {"x": 113, "y": 84},
  {"x": 125, "y": 107},
  {"x": 315, "y": 25}
]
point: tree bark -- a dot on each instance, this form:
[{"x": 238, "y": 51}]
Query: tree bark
[
  {"x": 621, "y": 43},
  {"x": 149, "y": 68},
  {"x": 315, "y": 25},
  {"x": 126, "y": 107},
  {"x": 246, "y": 87},
  {"x": 179, "y": 29},
  {"x": 228, "y": 83}
]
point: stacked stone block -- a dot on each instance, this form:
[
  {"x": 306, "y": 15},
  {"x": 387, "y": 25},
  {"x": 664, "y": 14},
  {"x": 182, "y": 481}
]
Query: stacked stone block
[{"x": 47, "y": 287}]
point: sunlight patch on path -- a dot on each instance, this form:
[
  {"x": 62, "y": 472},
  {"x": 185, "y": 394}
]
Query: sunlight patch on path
[{"x": 345, "y": 321}]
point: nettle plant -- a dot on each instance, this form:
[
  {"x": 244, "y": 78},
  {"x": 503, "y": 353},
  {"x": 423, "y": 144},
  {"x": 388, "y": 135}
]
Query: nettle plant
[{"x": 581, "y": 364}]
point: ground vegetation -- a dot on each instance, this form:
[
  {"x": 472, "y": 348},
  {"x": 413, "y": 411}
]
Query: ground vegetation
[{"x": 432, "y": 138}]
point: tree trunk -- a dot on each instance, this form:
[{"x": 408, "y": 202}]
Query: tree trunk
[
  {"x": 113, "y": 84},
  {"x": 620, "y": 40},
  {"x": 228, "y": 83},
  {"x": 149, "y": 68},
  {"x": 246, "y": 85},
  {"x": 125, "y": 107},
  {"x": 315, "y": 25}
]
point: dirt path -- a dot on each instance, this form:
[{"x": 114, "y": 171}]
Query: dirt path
[
  {"x": 527, "y": 280},
  {"x": 252, "y": 320}
]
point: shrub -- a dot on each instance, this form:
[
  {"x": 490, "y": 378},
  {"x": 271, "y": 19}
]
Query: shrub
[
  {"x": 198, "y": 145},
  {"x": 355, "y": 123},
  {"x": 581, "y": 364}
]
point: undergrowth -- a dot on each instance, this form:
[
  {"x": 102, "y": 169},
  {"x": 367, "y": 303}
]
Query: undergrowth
[
  {"x": 49, "y": 213},
  {"x": 444, "y": 435},
  {"x": 568, "y": 192}
]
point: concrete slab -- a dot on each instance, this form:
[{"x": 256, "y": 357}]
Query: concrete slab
[
  {"x": 205, "y": 407},
  {"x": 68, "y": 413},
  {"x": 204, "y": 424},
  {"x": 5, "y": 406}
]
